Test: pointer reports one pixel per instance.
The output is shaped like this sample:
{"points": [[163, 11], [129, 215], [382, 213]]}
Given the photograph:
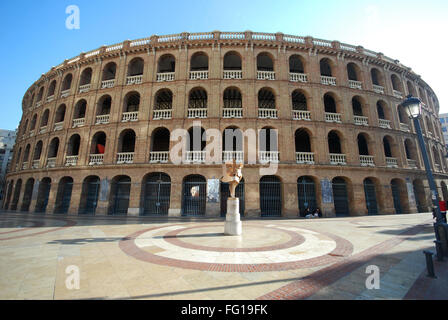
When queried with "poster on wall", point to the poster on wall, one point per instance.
{"points": [[327, 191], [104, 190], [411, 194], [213, 190]]}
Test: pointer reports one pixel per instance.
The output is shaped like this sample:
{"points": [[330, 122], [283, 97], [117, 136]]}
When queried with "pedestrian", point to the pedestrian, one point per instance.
{"points": [[317, 213], [442, 206], [306, 212]]}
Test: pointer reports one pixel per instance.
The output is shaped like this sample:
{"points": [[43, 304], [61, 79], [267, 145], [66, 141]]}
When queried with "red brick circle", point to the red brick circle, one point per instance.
{"points": [[171, 237], [343, 249]]}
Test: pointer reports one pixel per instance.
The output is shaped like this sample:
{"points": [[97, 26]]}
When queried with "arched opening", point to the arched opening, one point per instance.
{"points": [[266, 99], [410, 149], [40, 94], [302, 140], [232, 61], [325, 67], [232, 98], [135, 67], [33, 123], [86, 77], [268, 140], [73, 145], [160, 140], [44, 119], [26, 155], [377, 78], [67, 82], [104, 105], [89, 195], [197, 99], [296, 64], [357, 106], [126, 141], [265, 62], [396, 83], [334, 143], [64, 195], [51, 89], [53, 148], [270, 196], [444, 191], [195, 139], [371, 197], [380, 108], [119, 195], [420, 196], [38, 151], [399, 196], [43, 194], [156, 194], [225, 194], [340, 197], [232, 144], [17, 190], [109, 71], [27, 195], [306, 192], [402, 116], [411, 89], [98, 145], [199, 62], [389, 151], [194, 195], [80, 109], [330, 103], [299, 100], [163, 100], [60, 114], [131, 102], [363, 146], [8, 195], [353, 72], [166, 64]]}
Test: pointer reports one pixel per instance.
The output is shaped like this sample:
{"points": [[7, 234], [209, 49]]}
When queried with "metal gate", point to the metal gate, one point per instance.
{"points": [[42, 198], [122, 192], [64, 197], [93, 191], [396, 196], [306, 191], [157, 194], [15, 199], [225, 194], [270, 196], [340, 197], [27, 195], [420, 208], [194, 195], [370, 194]]}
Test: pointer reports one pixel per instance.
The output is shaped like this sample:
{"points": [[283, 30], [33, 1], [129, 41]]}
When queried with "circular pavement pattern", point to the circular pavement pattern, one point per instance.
{"points": [[271, 247]]}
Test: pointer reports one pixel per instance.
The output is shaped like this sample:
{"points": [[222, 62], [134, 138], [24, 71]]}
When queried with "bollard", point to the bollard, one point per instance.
{"points": [[429, 264], [439, 250]]}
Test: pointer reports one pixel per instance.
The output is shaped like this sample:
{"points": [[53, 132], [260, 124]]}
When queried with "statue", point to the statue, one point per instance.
{"points": [[232, 174]]}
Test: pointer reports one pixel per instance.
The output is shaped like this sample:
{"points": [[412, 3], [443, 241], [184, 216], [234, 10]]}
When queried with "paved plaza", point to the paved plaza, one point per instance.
{"points": [[191, 259]]}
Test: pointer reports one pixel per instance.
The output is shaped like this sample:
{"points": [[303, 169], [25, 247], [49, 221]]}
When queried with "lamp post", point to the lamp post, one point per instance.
{"points": [[412, 106]]}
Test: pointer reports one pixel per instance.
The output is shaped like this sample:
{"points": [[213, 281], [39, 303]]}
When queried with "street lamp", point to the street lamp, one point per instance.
{"points": [[412, 106]]}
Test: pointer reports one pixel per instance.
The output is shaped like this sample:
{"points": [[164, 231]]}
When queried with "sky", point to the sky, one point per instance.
{"points": [[35, 37]]}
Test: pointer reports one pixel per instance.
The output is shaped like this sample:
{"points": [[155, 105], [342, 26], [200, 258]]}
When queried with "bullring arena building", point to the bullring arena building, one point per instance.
{"points": [[96, 131]]}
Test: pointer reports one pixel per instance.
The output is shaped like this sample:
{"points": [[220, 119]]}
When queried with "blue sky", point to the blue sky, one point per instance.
{"points": [[35, 38]]}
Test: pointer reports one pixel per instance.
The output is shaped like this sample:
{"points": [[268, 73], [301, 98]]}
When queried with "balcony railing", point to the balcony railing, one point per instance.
{"points": [[58, 126], [329, 81], [102, 119], [25, 165], [366, 161], [51, 162], [268, 156], [298, 77], [391, 162], [301, 115], [78, 122], [398, 94], [337, 159], [71, 161], [129, 116], [43, 129], [305, 157], [84, 88], [378, 89], [230, 155], [125, 157], [107, 84], [134, 80], [65, 93], [333, 117], [159, 156], [165, 76], [232, 74], [265, 75], [198, 75], [405, 127], [361, 121], [50, 98], [197, 113], [267, 113], [383, 123], [38, 104], [162, 114], [195, 156], [437, 167], [35, 164], [232, 112], [32, 132], [96, 159], [355, 84], [412, 164]]}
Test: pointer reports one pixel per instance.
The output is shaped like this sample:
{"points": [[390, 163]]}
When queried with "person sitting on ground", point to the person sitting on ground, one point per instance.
{"points": [[317, 213], [306, 212]]}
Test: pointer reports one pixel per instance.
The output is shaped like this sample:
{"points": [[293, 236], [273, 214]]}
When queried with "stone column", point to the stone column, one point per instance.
{"points": [[103, 198], [134, 199], [75, 198]]}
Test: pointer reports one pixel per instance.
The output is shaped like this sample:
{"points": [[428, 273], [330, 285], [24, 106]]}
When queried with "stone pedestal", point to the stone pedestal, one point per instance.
{"points": [[233, 226]]}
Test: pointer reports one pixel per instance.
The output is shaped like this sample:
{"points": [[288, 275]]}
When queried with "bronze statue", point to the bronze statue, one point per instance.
{"points": [[232, 173]]}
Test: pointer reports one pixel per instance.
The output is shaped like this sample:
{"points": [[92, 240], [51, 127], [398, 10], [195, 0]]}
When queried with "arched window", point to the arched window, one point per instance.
{"points": [[232, 61], [325, 67], [266, 99], [396, 83], [33, 123], [98, 145], [67, 82], [199, 62], [53, 148], [37, 151], [299, 100], [74, 145], [51, 89], [135, 67], [109, 73], [357, 106], [104, 105], [330, 103], [60, 114], [296, 64], [166, 64], [265, 62], [131, 102], [160, 140], [197, 99], [353, 72], [86, 77], [163, 100], [126, 141], [334, 143], [363, 147], [119, 195], [232, 98], [80, 109], [44, 119], [40, 94], [377, 78]]}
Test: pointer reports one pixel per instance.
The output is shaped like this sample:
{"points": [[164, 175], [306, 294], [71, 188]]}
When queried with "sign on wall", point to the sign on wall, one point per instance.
{"points": [[327, 191], [212, 190]]}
